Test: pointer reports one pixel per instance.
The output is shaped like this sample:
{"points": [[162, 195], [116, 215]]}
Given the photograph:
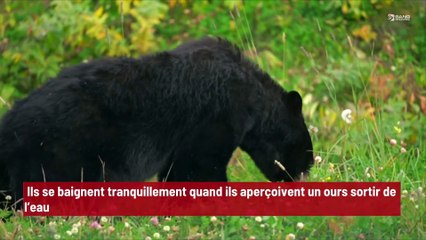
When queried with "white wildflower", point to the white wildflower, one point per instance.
{"points": [[313, 129], [76, 225], [290, 236], [104, 219], [318, 159], [300, 225], [74, 230], [156, 235], [367, 172], [166, 228], [346, 116], [258, 219]]}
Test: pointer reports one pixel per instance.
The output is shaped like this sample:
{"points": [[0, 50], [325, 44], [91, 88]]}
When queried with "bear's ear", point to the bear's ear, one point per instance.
{"points": [[293, 102]]}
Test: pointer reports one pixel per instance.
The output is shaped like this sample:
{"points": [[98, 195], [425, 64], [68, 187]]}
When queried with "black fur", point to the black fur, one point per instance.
{"points": [[179, 113]]}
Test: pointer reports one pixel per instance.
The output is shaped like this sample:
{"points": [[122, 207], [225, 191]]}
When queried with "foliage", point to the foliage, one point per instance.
{"points": [[338, 54]]}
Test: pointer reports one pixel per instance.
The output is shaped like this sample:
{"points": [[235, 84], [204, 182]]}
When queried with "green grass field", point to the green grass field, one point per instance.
{"points": [[338, 54]]}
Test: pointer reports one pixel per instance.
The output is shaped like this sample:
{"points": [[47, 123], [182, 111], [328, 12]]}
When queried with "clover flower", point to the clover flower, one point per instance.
{"points": [[77, 225], [156, 235], [95, 225], [313, 129], [346, 116], [74, 230], [166, 228], [290, 236], [104, 219], [126, 225], [154, 221], [318, 159]]}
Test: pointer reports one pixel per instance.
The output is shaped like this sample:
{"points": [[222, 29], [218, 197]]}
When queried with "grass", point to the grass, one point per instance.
{"points": [[333, 71], [373, 158]]}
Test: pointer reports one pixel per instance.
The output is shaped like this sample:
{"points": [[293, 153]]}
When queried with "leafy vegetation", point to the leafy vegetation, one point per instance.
{"points": [[339, 54]]}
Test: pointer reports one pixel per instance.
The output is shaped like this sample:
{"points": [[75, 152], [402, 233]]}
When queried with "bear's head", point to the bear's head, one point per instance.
{"points": [[281, 146]]}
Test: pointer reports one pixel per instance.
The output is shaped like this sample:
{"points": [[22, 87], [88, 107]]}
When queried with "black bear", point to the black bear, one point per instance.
{"points": [[179, 114]]}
